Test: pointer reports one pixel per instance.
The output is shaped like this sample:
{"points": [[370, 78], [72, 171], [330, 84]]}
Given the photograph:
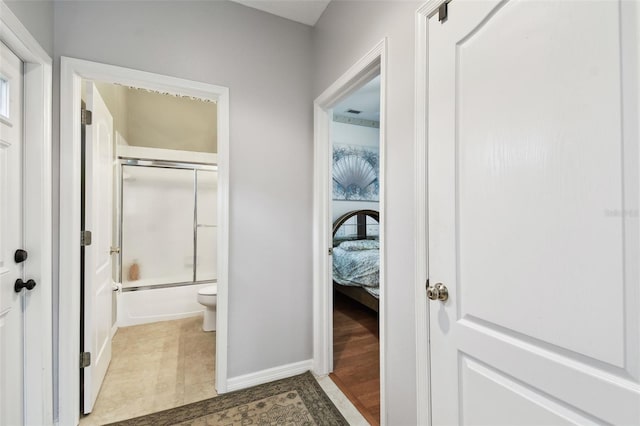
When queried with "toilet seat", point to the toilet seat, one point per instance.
{"points": [[210, 290]]}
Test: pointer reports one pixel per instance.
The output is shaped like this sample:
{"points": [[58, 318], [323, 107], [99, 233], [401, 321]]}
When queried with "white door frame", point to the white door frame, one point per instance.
{"points": [[38, 375], [371, 64], [423, 364], [72, 72]]}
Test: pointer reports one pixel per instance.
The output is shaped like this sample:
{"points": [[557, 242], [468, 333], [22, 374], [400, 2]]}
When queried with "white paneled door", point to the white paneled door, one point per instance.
{"points": [[98, 216], [533, 212], [11, 239]]}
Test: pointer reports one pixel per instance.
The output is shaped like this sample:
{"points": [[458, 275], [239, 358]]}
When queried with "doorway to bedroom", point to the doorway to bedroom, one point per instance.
{"points": [[355, 206], [349, 192]]}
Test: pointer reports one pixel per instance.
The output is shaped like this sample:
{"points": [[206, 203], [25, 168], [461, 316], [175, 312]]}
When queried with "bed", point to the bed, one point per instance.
{"points": [[356, 257]]}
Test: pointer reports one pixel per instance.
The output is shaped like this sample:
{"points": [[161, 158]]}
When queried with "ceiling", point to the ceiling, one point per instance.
{"points": [[366, 99], [304, 11]]}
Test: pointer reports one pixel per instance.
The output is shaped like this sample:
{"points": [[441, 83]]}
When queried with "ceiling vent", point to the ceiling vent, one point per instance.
{"points": [[353, 111]]}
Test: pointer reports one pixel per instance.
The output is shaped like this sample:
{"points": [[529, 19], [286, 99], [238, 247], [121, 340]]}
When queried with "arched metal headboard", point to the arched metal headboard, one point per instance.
{"points": [[361, 221]]}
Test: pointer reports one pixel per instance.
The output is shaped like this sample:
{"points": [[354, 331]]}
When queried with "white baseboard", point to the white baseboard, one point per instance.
{"points": [[268, 375], [114, 328]]}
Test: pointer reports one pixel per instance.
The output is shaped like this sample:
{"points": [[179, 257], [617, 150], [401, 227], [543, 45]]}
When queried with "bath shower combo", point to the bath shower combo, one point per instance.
{"points": [[167, 232]]}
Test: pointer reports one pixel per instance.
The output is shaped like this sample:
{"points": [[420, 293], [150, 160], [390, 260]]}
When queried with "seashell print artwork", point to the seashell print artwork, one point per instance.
{"points": [[355, 173]]}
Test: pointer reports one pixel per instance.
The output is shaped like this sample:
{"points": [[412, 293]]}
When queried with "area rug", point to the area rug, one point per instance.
{"points": [[296, 401]]}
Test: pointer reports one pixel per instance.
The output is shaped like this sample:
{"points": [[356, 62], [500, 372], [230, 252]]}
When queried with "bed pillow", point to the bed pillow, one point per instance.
{"points": [[359, 245]]}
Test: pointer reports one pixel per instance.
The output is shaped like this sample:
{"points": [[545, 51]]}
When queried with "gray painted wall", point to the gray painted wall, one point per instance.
{"points": [[347, 31], [266, 63], [271, 65], [37, 17]]}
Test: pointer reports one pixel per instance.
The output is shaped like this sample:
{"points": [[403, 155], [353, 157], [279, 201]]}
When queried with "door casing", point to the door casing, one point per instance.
{"points": [[370, 65], [37, 118], [72, 72], [423, 349]]}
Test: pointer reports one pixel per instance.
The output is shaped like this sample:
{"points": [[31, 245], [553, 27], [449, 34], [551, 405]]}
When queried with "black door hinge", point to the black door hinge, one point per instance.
{"points": [[86, 117], [443, 11], [85, 238], [85, 359]]}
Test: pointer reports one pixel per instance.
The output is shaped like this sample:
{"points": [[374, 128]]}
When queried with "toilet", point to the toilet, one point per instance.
{"points": [[207, 296]]}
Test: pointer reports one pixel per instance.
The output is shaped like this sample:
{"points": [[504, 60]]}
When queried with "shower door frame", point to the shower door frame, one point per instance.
{"points": [[162, 164]]}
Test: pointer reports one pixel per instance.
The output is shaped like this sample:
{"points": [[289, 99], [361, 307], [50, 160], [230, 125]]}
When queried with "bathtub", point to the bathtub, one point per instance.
{"points": [[157, 304]]}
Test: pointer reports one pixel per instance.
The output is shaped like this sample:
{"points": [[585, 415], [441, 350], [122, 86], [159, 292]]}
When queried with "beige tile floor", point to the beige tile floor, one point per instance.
{"points": [[166, 364], [155, 367]]}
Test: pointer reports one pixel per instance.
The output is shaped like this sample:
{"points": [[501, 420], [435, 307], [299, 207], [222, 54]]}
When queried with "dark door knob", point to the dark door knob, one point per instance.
{"points": [[20, 256], [29, 285]]}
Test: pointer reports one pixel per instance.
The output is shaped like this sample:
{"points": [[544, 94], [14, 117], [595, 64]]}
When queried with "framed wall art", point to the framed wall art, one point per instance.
{"points": [[355, 173]]}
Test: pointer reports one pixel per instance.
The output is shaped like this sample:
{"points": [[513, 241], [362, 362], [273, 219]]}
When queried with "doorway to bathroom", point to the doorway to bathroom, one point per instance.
{"points": [[152, 151], [149, 257]]}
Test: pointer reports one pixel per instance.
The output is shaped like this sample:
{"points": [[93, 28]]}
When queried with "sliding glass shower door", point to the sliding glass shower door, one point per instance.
{"points": [[168, 224], [206, 229]]}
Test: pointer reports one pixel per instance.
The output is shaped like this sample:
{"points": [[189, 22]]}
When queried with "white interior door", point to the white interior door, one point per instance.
{"points": [[97, 267], [533, 212], [11, 239]]}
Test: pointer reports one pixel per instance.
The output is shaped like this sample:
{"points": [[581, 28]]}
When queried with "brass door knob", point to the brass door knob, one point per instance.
{"points": [[438, 292]]}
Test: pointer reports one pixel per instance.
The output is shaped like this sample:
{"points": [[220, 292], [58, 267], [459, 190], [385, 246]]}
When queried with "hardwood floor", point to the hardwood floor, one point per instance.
{"points": [[356, 356]]}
